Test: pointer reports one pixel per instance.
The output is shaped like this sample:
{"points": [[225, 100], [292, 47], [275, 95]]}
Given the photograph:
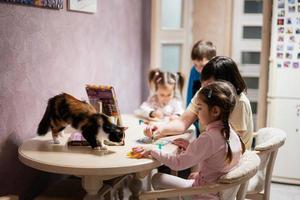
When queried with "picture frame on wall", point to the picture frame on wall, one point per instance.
{"points": [[88, 6], [53, 4]]}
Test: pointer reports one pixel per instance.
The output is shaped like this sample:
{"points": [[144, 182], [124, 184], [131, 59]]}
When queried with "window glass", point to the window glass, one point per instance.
{"points": [[254, 107], [252, 82], [249, 57], [171, 13], [170, 57], [253, 6], [252, 32]]}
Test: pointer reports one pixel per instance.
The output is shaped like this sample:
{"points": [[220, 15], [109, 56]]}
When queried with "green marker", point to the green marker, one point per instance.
{"points": [[160, 146]]}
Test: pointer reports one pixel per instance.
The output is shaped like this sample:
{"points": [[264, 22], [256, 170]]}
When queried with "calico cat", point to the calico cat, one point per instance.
{"points": [[64, 109]]}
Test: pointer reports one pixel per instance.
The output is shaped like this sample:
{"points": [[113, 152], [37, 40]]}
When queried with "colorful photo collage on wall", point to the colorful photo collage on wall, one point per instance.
{"points": [[288, 34]]}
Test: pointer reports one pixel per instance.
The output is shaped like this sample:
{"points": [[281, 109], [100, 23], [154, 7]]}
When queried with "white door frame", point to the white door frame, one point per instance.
{"points": [[182, 36]]}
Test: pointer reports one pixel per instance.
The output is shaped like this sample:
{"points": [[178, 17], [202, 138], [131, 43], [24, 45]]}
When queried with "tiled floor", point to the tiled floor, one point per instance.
{"points": [[278, 192], [65, 188], [285, 192]]}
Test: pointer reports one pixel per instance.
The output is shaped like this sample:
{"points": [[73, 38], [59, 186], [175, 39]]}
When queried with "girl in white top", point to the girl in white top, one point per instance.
{"points": [[163, 102]]}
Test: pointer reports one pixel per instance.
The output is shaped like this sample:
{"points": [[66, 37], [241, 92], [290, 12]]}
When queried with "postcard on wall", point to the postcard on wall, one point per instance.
{"points": [[88, 6], [280, 3], [55, 4]]}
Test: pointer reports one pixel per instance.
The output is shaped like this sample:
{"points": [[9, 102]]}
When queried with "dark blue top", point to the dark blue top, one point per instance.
{"points": [[194, 82], [193, 86]]}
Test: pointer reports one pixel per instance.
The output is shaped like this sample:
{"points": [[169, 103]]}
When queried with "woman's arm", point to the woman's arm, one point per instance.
{"points": [[178, 108], [174, 127]]}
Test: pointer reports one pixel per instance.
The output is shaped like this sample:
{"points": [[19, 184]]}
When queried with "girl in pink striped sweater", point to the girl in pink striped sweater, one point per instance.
{"points": [[216, 151]]}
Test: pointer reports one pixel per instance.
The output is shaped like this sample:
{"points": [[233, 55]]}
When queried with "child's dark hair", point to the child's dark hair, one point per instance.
{"points": [[224, 68], [221, 94], [157, 77], [203, 49]]}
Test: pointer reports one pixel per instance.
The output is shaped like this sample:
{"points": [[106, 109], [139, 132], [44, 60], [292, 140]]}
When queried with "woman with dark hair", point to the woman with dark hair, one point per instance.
{"points": [[224, 68]]}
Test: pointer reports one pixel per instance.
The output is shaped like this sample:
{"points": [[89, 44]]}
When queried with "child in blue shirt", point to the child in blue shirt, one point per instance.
{"points": [[202, 52]]}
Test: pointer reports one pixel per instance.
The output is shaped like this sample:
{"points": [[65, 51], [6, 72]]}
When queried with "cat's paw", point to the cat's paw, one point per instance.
{"points": [[56, 141], [61, 134], [104, 148], [97, 148]]}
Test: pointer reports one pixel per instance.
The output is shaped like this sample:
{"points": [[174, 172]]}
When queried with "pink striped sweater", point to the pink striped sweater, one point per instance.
{"points": [[209, 152]]}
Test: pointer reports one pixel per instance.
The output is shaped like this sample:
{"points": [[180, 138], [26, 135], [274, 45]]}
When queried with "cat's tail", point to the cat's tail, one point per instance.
{"points": [[44, 124]]}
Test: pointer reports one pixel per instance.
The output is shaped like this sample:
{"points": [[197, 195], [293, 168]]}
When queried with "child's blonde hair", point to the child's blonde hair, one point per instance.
{"points": [[157, 77], [221, 94]]}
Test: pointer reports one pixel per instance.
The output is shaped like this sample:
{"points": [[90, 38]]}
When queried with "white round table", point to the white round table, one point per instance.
{"points": [[93, 166]]}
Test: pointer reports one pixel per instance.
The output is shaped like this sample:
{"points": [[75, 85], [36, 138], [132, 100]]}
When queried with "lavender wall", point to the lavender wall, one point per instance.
{"points": [[44, 52]]}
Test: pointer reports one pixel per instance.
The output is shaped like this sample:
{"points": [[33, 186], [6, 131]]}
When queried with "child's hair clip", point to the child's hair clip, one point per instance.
{"points": [[158, 80], [176, 77], [209, 93]]}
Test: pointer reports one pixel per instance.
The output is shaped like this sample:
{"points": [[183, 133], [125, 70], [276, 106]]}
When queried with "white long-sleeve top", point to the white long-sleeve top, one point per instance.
{"points": [[174, 107]]}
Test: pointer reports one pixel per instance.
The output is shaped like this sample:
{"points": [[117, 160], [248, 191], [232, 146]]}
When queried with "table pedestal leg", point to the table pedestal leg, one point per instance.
{"points": [[92, 185], [135, 186]]}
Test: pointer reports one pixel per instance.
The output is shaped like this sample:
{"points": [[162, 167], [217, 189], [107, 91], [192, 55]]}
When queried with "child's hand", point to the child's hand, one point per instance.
{"points": [[153, 131], [193, 175], [146, 154], [140, 152], [148, 131], [181, 143], [157, 114]]}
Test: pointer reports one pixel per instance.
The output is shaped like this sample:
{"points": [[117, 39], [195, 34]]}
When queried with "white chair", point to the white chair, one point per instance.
{"points": [[268, 141], [227, 184]]}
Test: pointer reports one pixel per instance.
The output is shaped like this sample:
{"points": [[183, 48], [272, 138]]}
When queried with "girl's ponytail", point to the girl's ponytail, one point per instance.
{"points": [[180, 82], [226, 135], [153, 77]]}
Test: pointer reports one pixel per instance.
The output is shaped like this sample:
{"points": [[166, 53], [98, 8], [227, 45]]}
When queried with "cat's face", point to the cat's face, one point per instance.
{"points": [[115, 133]]}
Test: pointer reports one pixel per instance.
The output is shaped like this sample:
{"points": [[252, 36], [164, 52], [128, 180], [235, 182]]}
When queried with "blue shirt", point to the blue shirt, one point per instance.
{"points": [[193, 86], [193, 80]]}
